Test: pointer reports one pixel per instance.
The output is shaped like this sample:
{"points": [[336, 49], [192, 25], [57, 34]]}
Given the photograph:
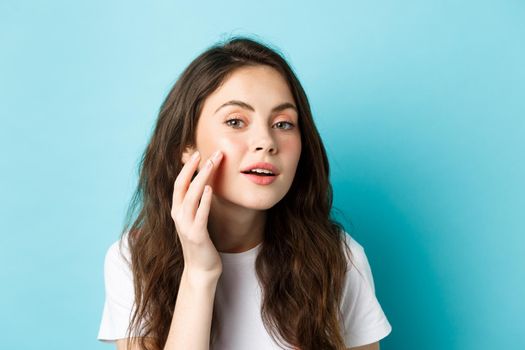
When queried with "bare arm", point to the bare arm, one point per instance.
{"points": [[191, 323]]}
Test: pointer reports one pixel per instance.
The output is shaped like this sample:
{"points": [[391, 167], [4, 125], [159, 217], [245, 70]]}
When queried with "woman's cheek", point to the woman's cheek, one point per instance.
{"points": [[229, 144], [230, 151]]}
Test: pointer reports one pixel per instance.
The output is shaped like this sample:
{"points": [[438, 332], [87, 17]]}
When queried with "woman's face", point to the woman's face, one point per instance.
{"points": [[252, 117]]}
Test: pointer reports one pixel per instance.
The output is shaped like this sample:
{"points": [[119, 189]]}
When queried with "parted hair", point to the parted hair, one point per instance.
{"points": [[301, 266]]}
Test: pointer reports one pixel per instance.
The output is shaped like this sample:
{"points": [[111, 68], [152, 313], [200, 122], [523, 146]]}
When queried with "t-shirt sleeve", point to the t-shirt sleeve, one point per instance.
{"points": [[119, 294], [363, 318]]}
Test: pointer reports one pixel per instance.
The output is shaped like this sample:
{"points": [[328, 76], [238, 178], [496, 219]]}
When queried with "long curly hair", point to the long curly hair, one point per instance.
{"points": [[301, 265]]}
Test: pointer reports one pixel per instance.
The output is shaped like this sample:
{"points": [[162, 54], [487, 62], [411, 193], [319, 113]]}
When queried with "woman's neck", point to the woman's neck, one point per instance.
{"points": [[235, 229]]}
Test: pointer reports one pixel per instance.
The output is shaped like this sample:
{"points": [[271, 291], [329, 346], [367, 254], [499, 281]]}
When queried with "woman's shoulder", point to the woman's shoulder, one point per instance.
{"points": [[357, 251], [363, 318], [352, 242], [118, 254], [358, 265]]}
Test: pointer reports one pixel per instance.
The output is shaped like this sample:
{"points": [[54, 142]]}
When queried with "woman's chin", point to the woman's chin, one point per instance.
{"points": [[254, 202]]}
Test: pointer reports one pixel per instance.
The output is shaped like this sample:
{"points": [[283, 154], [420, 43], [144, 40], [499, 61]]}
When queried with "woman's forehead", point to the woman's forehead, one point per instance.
{"points": [[251, 88]]}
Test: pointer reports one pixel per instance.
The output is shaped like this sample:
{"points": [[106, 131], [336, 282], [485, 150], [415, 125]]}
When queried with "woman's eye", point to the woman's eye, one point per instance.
{"points": [[290, 125], [233, 124]]}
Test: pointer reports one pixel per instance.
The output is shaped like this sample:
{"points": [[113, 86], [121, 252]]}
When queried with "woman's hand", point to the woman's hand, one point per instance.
{"points": [[191, 217]]}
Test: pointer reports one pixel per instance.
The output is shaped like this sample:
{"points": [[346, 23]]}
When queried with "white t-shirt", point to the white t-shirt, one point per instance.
{"points": [[238, 301]]}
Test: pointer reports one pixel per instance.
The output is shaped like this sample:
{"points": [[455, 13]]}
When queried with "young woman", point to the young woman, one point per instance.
{"points": [[234, 246]]}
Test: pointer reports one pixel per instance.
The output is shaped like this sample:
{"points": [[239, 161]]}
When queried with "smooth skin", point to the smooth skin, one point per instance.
{"points": [[251, 117]]}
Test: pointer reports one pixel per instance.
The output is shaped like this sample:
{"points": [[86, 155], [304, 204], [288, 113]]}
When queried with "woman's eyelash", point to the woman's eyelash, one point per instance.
{"points": [[291, 125]]}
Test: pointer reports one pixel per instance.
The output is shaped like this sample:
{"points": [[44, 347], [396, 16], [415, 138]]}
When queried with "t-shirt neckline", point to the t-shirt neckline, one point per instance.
{"points": [[236, 258]]}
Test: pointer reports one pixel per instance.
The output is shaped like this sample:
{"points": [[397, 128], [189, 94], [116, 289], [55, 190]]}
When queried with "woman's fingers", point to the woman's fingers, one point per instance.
{"points": [[194, 193], [191, 218], [183, 180], [187, 192], [201, 217]]}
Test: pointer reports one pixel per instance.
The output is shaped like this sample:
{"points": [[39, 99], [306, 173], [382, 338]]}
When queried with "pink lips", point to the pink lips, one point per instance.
{"points": [[263, 165], [260, 180]]}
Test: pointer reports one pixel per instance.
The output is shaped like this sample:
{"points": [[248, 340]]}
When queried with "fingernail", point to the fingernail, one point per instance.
{"points": [[195, 155], [216, 155]]}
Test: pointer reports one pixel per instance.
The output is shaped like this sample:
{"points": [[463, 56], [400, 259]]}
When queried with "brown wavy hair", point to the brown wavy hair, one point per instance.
{"points": [[301, 265]]}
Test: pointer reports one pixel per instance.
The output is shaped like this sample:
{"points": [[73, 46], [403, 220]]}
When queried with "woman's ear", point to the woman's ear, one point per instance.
{"points": [[186, 155]]}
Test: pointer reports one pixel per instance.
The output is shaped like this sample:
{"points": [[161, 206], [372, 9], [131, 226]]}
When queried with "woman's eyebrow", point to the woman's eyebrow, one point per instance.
{"points": [[244, 105]]}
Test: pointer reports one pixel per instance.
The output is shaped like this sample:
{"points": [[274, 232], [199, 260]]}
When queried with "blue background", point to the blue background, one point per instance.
{"points": [[420, 105]]}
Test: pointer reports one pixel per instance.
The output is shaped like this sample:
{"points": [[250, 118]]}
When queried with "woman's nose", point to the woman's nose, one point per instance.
{"points": [[264, 140]]}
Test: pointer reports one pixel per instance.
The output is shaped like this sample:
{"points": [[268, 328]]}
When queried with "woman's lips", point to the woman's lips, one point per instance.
{"points": [[260, 179]]}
